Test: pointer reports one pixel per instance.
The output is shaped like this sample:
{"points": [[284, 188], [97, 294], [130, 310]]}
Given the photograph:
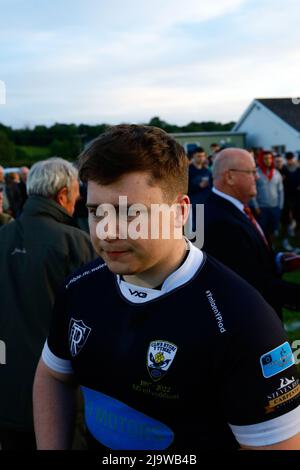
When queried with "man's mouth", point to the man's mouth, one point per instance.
{"points": [[115, 253]]}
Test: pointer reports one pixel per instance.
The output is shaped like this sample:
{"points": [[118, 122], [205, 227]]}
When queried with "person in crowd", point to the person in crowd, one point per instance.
{"points": [[172, 350], [199, 177], [38, 250], [270, 196], [200, 180], [4, 217], [13, 193], [214, 149], [24, 170], [279, 163], [291, 210], [81, 212], [233, 236], [2, 177], [2, 186]]}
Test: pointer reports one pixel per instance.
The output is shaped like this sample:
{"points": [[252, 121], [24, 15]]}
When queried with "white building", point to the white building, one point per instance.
{"points": [[272, 123]]}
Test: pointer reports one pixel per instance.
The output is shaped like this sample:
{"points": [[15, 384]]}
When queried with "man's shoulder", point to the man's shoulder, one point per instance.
{"points": [[8, 230], [72, 230], [80, 235], [216, 203], [218, 271], [234, 291], [86, 273], [214, 200], [225, 279], [218, 210], [71, 235]]}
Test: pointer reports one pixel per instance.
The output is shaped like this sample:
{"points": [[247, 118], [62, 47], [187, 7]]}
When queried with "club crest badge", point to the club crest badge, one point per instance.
{"points": [[160, 356], [78, 334]]}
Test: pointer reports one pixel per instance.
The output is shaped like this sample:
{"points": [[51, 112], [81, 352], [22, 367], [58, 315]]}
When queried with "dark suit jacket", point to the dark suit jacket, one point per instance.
{"points": [[232, 238]]}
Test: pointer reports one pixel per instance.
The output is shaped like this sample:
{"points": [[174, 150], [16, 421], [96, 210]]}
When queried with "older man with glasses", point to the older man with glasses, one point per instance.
{"points": [[233, 235]]}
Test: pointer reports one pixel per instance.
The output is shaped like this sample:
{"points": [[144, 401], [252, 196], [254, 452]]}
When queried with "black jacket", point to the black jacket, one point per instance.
{"points": [[233, 239], [37, 251]]}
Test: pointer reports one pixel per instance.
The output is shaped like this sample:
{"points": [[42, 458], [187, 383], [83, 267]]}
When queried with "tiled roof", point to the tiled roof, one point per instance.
{"points": [[288, 109]]}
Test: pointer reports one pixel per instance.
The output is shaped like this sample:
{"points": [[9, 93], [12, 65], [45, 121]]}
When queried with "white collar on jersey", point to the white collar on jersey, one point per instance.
{"points": [[183, 274]]}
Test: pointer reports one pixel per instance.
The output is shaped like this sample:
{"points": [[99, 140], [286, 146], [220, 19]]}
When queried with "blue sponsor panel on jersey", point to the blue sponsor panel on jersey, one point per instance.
{"points": [[120, 427], [277, 360]]}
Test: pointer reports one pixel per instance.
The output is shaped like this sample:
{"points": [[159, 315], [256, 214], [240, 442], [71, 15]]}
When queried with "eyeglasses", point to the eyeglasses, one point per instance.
{"points": [[252, 172]]}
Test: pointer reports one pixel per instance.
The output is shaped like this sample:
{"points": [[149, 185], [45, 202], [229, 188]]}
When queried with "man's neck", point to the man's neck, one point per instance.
{"points": [[199, 166], [156, 275]]}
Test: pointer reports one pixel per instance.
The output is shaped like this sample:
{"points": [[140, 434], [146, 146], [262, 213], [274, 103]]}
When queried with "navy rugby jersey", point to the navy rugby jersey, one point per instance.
{"points": [[201, 363]]}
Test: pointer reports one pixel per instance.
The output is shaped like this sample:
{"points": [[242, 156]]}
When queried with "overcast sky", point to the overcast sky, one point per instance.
{"points": [[114, 61]]}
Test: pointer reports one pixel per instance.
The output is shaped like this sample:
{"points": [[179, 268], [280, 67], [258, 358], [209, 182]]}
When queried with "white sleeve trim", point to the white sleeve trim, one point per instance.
{"points": [[62, 366], [269, 432]]}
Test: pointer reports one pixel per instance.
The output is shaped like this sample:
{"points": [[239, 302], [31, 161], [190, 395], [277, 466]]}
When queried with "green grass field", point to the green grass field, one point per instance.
{"points": [[34, 153]]}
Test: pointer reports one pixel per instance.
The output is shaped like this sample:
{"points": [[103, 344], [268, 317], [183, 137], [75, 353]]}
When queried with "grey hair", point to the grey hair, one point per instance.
{"points": [[47, 177]]}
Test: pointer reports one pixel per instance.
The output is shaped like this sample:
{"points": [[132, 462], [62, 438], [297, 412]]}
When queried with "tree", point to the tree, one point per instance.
{"points": [[60, 148], [40, 136], [7, 148], [204, 126]]}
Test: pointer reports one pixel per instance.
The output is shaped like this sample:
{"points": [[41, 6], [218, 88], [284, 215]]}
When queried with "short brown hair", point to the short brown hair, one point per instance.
{"points": [[126, 148]]}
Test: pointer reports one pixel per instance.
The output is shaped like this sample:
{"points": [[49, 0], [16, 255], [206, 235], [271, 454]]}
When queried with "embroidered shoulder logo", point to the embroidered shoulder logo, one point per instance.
{"points": [[78, 334], [160, 356]]}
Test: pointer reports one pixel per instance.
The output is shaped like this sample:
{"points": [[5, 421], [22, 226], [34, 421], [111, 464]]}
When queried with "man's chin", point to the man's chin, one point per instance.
{"points": [[117, 268]]}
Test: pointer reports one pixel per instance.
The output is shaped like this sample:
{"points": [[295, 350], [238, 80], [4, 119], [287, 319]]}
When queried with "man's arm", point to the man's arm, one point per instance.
{"points": [[54, 402], [235, 249], [293, 443], [280, 193]]}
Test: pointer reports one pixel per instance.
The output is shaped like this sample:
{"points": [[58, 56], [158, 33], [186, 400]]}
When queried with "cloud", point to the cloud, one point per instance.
{"points": [[169, 13], [114, 61]]}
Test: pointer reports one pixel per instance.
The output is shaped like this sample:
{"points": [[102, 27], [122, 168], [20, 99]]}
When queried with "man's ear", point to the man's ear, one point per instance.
{"points": [[229, 177], [62, 196], [182, 210]]}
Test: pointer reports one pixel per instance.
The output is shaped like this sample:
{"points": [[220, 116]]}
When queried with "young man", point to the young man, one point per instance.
{"points": [[171, 349]]}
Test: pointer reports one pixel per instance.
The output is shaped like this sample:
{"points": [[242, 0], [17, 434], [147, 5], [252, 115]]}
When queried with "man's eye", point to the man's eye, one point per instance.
{"points": [[98, 216], [133, 216], [136, 214], [93, 213]]}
